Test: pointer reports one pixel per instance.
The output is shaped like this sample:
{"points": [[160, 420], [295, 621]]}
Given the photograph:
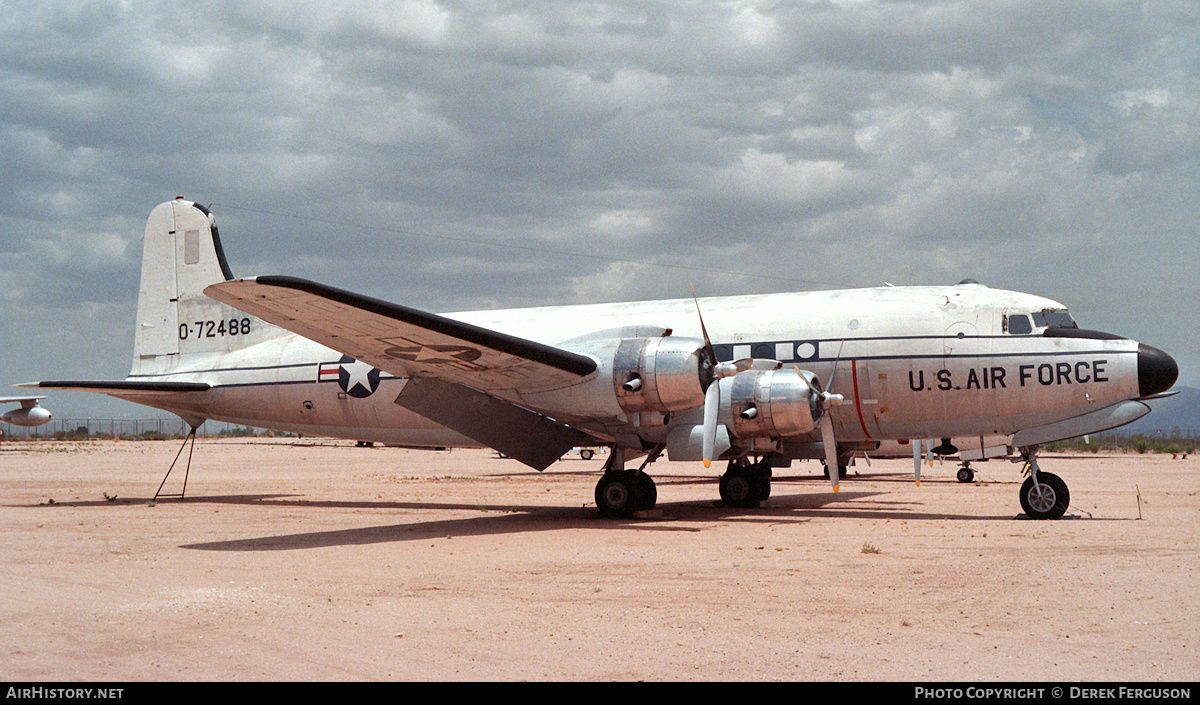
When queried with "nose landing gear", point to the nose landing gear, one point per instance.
{"points": [[1043, 495]]}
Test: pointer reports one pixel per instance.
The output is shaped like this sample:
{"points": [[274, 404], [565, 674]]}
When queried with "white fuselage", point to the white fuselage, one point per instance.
{"points": [[911, 362]]}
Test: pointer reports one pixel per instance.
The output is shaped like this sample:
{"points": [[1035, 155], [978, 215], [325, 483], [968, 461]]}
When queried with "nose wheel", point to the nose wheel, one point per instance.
{"points": [[1043, 495]]}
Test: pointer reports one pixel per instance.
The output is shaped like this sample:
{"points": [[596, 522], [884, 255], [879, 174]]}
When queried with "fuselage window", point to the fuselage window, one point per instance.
{"points": [[1018, 325]]}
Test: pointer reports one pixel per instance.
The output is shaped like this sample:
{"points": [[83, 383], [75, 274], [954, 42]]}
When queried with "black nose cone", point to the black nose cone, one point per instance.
{"points": [[1157, 371]]}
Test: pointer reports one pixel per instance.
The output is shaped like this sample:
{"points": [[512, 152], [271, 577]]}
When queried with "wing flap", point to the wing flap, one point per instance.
{"points": [[403, 341], [519, 433]]}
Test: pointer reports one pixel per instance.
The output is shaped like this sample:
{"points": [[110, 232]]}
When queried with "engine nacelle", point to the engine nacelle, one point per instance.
{"points": [[773, 404], [27, 416], [661, 374]]}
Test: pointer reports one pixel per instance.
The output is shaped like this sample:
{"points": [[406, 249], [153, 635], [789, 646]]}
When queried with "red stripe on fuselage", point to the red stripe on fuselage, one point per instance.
{"points": [[858, 398]]}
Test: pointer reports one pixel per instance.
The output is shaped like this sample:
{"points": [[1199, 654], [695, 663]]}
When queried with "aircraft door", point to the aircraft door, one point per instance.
{"points": [[967, 378]]}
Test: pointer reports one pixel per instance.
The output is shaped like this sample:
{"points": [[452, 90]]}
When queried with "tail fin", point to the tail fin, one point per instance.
{"points": [[181, 254]]}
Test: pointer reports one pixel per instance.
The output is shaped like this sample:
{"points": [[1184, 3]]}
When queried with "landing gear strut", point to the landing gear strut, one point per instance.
{"points": [[746, 484], [1043, 495]]}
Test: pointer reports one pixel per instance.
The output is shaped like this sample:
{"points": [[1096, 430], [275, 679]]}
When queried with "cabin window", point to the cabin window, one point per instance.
{"points": [[1018, 324]]}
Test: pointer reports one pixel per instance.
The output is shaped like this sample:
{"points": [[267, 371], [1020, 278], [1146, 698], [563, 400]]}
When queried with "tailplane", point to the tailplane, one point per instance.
{"points": [[181, 254]]}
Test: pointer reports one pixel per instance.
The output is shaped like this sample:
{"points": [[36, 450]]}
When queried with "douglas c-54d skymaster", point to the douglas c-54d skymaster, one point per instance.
{"points": [[757, 381]]}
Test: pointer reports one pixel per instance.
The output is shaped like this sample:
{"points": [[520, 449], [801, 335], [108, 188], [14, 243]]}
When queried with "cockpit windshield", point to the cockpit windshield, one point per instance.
{"points": [[1019, 323], [1054, 318]]}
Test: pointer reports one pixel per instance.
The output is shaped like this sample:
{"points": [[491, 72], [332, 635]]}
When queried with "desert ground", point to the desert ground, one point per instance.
{"points": [[316, 560]]}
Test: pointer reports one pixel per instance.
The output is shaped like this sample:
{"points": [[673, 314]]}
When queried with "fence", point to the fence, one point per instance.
{"points": [[113, 428], [175, 427]]}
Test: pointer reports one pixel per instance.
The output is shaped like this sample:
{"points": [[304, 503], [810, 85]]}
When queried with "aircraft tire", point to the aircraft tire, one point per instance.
{"points": [[1050, 502], [842, 471], [649, 492], [762, 479], [741, 486], [620, 494], [966, 475]]}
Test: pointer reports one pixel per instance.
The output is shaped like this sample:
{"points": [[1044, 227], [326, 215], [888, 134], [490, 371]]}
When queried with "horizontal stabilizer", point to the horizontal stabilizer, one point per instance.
{"points": [[123, 388], [24, 401], [403, 341]]}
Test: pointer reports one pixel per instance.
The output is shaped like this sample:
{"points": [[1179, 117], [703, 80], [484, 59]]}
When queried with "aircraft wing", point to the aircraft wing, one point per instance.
{"points": [[452, 367], [401, 340]]}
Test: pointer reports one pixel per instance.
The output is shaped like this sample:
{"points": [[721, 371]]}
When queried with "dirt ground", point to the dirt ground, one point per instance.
{"points": [[314, 559]]}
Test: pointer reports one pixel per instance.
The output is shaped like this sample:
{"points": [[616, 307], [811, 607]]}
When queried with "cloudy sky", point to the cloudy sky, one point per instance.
{"points": [[452, 155]]}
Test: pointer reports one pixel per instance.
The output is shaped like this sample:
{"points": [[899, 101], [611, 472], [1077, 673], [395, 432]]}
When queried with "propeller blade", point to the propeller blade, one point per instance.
{"points": [[703, 330], [916, 446], [712, 404], [830, 442]]}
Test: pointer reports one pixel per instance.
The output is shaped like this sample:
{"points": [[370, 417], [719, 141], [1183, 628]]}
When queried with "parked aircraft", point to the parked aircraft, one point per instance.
{"points": [[756, 381], [31, 412]]}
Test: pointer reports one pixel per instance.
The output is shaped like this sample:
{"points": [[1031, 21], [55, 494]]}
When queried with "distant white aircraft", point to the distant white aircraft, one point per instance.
{"points": [[31, 412], [757, 381]]}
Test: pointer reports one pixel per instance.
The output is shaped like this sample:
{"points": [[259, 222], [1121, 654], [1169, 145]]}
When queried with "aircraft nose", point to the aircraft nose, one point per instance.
{"points": [[1157, 371]]}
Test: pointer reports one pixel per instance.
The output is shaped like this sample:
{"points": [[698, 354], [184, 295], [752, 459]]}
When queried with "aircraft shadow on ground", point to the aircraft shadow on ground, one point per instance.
{"points": [[687, 516], [783, 507]]}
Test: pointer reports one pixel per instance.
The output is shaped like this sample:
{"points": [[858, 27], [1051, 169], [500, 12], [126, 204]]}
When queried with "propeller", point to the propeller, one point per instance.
{"points": [[824, 400], [916, 445], [712, 386], [828, 438], [712, 404]]}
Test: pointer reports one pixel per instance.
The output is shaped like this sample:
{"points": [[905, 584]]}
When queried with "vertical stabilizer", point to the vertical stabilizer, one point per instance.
{"points": [[181, 254]]}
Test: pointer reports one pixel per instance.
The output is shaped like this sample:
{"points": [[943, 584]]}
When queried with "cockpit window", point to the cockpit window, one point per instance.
{"points": [[1054, 318], [1017, 324]]}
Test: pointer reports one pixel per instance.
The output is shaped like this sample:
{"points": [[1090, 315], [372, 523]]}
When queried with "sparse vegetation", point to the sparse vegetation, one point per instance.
{"points": [[870, 548], [1175, 442]]}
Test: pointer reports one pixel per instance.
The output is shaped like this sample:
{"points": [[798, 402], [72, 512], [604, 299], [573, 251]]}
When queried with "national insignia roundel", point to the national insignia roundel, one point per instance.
{"points": [[357, 379]]}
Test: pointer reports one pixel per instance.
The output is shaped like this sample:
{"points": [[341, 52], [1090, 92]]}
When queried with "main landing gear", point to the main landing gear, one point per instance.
{"points": [[621, 493], [843, 470], [1043, 495], [746, 484]]}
